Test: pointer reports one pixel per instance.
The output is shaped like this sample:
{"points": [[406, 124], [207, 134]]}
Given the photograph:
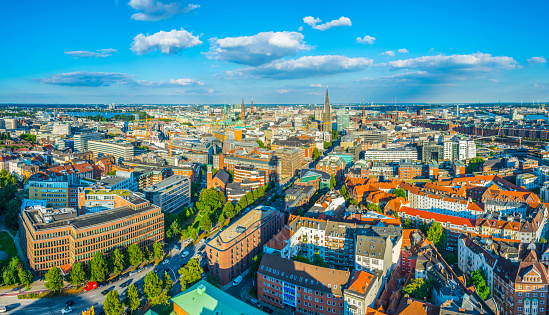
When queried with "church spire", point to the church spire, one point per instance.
{"points": [[242, 113], [252, 107]]}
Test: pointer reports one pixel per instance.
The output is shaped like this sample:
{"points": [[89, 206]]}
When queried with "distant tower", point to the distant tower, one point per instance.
{"points": [[242, 115], [363, 112], [252, 107], [457, 111], [327, 121], [224, 112]]}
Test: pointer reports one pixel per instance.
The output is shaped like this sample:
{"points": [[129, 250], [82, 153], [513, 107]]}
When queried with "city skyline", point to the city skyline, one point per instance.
{"points": [[146, 51]]}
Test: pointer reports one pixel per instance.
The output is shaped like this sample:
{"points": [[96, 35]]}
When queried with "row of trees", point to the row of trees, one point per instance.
{"points": [[9, 205], [15, 272], [99, 267]]}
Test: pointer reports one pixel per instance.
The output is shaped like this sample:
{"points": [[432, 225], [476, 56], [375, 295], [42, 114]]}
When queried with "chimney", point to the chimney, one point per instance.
{"points": [[201, 289]]}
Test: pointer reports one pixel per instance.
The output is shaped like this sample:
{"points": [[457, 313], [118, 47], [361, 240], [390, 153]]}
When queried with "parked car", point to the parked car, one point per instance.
{"points": [[202, 241], [105, 292], [202, 248], [237, 281], [66, 310], [90, 286], [267, 309], [176, 248], [133, 272], [124, 276], [184, 254], [123, 285], [165, 262], [255, 303]]}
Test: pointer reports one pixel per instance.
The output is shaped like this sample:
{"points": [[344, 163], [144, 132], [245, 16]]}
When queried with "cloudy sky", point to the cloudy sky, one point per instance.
{"points": [[169, 51]]}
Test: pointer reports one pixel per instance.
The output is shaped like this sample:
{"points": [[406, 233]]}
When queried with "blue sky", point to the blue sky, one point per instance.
{"points": [[146, 51]]}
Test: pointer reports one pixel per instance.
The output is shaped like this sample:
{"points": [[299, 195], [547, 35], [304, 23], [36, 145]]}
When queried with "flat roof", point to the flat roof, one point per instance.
{"points": [[168, 182], [244, 223], [88, 220], [205, 299]]}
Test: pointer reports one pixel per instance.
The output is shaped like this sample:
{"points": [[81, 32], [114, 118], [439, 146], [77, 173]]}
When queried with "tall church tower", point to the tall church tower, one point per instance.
{"points": [[363, 112], [242, 112], [252, 107], [327, 121]]}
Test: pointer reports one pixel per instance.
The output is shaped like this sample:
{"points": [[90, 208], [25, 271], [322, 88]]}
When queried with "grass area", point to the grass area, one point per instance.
{"points": [[34, 296], [7, 244]]}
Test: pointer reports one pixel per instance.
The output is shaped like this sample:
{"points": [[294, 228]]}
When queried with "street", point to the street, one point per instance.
{"points": [[94, 297]]}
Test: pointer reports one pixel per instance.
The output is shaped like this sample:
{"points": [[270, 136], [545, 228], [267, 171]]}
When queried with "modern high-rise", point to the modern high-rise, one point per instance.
{"points": [[10, 123], [327, 119], [343, 120], [61, 129], [81, 140], [171, 194], [119, 149], [243, 111], [61, 237]]}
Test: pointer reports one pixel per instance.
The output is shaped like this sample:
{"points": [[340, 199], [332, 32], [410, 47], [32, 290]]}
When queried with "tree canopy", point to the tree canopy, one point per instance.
{"points": [[419, 289], [54, 280], [436, 235]]}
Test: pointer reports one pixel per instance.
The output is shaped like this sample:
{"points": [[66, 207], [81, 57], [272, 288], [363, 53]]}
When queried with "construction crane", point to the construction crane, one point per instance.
{"points": [[170, 133]]}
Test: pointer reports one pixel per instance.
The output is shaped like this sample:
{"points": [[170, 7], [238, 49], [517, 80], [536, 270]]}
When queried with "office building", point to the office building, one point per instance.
{"points": [[290, 161], [56, 193], [171, 194], [232, 250], [10, 123], [92, 199], [61, 237], [81, 140], [61, 129], [121, 150], [392, 155]]}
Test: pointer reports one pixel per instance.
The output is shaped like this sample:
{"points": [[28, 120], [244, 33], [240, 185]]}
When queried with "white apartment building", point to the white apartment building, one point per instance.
{"points": [[393, 155], [444, 205]]}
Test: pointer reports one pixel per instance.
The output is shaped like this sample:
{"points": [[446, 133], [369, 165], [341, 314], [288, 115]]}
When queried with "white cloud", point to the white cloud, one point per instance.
{"points": [[388, 53], [309, 66], [167, 42], [366, 40], [312, 22], [536, 60], [96, 79], [539, 85], [463, 63], [300, 29], [403, 50], [101, 53], [315, 85], [257, 49], [153, 10], [282, 91]]}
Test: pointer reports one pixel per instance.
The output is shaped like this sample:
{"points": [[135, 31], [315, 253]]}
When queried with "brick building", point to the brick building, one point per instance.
{"points": [[61, 237], [307, 289], [332, 165], [231, 252]]}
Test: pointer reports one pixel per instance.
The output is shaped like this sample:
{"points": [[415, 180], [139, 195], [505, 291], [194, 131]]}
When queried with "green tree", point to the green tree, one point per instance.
{"points": [[228, 210], [399, 192], [112, 304], [54, 280], [254, 265], [98, 267], [479, 281], [261, 144], [25, 277], [132, 297], [167, 281], [436, 235], [78, 276], [148, 255], [135, 255], [221, 218], [419, 289], [343, 192], [158, 251], [327, 144], [117, 260], [205, 223], [318, 261], [333, 182], [302, 259], [474, 164], [374, 207], [8, 276], [316, 154], [153, 289], [450, 259], [190, 273], [175, 228], [408, 224], [542, 241]]}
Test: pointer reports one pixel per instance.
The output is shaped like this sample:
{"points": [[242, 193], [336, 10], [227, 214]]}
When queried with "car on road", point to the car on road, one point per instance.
{"points": [[184, 254], [237, 281], [255, 303], [202, 248], [202, 241], [105, 292], [267, 310], [125, 284], [165, 262], [66, 310], [176, 248], [69, 303], [104, 284], [133, 272], [140, 269]]}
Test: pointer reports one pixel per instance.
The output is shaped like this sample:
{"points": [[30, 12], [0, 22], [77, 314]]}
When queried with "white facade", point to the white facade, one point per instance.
{"points": [[469, 261], [447, 206]]}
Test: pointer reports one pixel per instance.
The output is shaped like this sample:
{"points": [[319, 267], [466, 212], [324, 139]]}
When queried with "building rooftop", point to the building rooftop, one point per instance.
{"points": [[205, 299], [167, 183], [249, 220]]}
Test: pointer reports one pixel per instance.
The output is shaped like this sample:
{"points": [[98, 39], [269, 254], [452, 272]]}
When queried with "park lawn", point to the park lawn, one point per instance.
{"points": [[7, 244]]}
